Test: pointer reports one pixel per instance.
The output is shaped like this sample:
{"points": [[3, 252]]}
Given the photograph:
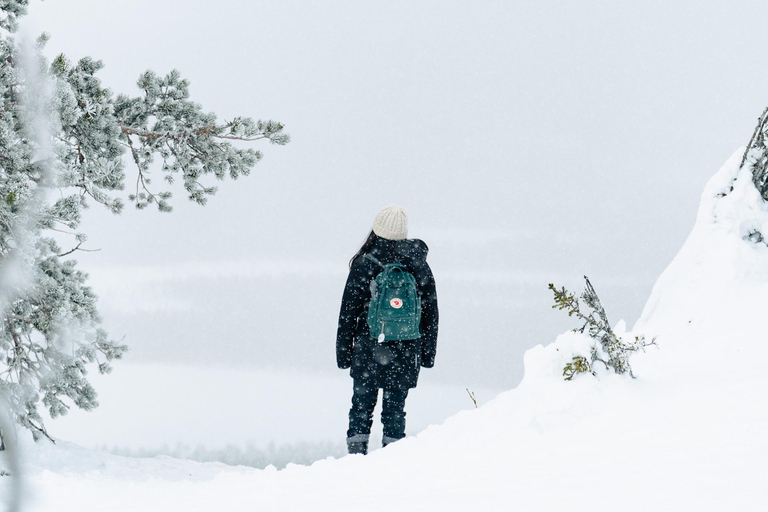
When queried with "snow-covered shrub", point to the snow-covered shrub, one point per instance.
{"points": [[606, 347]]}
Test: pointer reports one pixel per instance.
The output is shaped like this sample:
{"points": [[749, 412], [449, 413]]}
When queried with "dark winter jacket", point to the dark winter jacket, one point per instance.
{"points": [[392, 364]]}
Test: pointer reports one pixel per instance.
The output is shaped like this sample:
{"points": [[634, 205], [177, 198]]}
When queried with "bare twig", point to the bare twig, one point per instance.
{"points": [[247, 139], [77, 248], [472, 396], [758, 129]]}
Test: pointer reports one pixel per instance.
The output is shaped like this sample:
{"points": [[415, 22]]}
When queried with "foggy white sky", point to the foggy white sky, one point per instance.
{"points": [[530, 142]]}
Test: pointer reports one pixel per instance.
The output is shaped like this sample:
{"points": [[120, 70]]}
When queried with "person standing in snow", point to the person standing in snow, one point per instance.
{"points": [[389, 365]]}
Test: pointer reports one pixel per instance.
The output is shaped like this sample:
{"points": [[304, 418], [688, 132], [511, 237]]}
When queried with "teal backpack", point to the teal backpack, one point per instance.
{"points": [[394, 313]]}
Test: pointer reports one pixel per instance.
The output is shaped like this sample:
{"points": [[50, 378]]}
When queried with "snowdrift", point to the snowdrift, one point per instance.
{"points": [[687, 434]]}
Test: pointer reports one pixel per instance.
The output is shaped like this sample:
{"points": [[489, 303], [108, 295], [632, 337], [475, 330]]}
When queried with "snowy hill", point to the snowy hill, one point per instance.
{"points": [[688, 434]]}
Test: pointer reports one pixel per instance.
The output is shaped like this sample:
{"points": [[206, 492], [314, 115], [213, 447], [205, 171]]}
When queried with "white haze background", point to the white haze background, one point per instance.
{"points": [[531, 142]]}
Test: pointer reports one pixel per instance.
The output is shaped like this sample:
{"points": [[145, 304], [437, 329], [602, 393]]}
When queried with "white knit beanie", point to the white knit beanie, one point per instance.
{"points": [[391, 223]]}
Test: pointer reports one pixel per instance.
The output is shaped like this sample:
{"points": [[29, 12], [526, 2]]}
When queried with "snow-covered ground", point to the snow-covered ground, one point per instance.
{"points": [[239, 416], [687, 434]]}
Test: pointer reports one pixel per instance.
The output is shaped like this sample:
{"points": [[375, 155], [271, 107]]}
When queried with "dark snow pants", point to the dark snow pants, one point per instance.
{"points": [[361, 414]]}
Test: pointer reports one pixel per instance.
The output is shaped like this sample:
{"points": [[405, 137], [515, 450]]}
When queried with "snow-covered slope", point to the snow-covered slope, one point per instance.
{"points": [[711, 300], [688, 434]]}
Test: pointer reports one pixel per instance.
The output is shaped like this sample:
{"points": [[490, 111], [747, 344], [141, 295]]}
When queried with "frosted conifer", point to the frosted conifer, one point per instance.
{"points": [[62, 131]]}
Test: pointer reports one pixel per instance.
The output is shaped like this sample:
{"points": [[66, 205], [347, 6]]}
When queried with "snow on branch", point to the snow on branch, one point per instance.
{"points": [[10, 12], [162, 123]]}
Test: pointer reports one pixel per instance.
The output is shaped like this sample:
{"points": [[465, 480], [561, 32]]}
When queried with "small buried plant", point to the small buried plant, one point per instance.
{"points": [[611, 350]]}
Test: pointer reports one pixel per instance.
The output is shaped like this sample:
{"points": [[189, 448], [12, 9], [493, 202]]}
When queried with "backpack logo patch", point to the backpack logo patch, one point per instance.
{"points": [[396, 303]]}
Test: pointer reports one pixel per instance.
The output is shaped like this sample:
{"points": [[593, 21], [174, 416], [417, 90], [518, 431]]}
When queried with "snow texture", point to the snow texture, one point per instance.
{"points": [[687, 434]]}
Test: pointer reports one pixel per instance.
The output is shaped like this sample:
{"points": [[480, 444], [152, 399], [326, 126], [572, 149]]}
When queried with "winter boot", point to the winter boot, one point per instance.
{"points": [[357, 448], [358, 444], [389, 440]]}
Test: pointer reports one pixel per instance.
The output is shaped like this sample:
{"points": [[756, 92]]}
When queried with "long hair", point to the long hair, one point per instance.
{"points": [[365, 248]]}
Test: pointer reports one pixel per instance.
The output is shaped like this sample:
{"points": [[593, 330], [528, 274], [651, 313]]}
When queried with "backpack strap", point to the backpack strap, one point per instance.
{"points": [[373, 259]]}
